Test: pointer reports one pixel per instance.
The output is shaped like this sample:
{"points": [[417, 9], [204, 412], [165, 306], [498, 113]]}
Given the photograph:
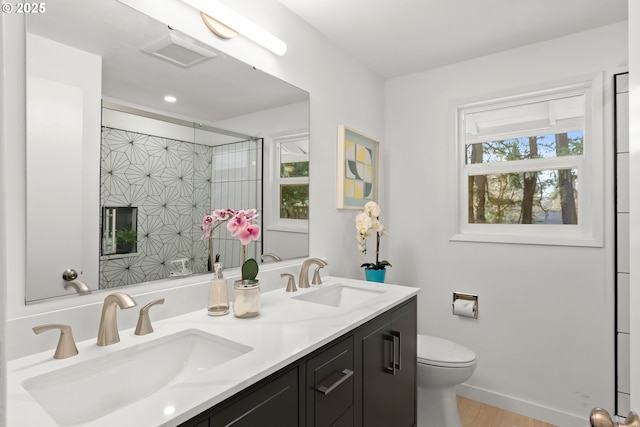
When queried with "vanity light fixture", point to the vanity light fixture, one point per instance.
{"points": [[217, 27], [226, 23]]}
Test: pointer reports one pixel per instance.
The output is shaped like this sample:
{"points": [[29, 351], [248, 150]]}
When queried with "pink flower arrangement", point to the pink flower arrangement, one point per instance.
{"points": [[241, 224], [211, 222], [244, 227]]}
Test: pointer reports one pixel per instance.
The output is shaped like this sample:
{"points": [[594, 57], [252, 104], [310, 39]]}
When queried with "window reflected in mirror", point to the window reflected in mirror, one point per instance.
{"points": [[294, 180], [119, 230]]}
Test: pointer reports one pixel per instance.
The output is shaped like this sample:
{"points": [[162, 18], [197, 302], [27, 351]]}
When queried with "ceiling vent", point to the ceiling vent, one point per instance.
{"points": [[178, 51]]}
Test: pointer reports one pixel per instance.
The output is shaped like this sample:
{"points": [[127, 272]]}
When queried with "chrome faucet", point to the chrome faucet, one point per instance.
{"points": [[108, 329], [304, 272]]}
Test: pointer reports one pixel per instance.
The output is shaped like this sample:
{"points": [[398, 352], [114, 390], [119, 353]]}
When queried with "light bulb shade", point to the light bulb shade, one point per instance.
{"points": [[238, 23], [217, 27]]}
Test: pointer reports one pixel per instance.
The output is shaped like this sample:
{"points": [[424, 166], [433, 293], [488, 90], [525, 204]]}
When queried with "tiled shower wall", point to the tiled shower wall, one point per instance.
{"points": [[173, 184], [237, 184], [622, 244]]}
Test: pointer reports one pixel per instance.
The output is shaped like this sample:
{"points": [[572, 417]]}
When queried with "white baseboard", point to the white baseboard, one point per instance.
{"points": [[522, 407]]}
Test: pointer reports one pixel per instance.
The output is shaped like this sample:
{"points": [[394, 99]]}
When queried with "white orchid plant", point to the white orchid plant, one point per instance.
{"points": [[367, 222], [241, 224]]}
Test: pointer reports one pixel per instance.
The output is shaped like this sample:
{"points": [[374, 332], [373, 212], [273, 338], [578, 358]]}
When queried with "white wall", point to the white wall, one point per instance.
{"points": [[9, 50], [64, 89], [634, 197], [544, 337], [12, 190]]}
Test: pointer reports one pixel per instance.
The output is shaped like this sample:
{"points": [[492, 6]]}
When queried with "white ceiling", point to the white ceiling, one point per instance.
{"points": [[400, 37], [392, 38], [213, 90]]}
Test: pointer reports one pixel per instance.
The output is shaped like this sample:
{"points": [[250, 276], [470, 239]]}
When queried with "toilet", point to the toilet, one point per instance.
{"points": [[442, 365]]}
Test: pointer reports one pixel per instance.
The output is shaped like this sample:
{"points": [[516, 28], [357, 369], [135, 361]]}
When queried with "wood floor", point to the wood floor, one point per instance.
{"points": [[475, 414]]}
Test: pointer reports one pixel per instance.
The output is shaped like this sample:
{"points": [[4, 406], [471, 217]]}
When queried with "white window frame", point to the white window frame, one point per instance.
{"points": [[590, 165], [273, 181]]}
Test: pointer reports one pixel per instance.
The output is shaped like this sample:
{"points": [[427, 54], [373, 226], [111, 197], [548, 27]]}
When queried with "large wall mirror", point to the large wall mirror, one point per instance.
{"points": [[119, 179]]}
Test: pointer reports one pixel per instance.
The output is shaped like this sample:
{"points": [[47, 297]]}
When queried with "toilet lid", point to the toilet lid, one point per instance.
{"points": [[440, 352]]}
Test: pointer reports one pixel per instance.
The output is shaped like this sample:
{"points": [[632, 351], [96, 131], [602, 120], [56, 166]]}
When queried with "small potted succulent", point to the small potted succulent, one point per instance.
{"points": [[367, 222], [246, 291]]}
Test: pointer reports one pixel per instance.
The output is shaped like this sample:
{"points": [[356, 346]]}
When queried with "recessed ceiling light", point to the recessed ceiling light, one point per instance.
{"points": [[170, 98]]}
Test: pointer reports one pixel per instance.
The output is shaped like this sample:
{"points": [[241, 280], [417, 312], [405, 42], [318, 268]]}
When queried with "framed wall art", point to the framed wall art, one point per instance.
{"points": [[358, 169]]}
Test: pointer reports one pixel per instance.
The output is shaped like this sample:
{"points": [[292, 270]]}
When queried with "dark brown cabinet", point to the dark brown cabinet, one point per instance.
{"points": [[366, 378], [273, 401], [388, 360], [329, 386]]}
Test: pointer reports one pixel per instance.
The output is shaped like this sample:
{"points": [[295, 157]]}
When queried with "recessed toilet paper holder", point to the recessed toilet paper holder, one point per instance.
{"points": [[465, 305]]}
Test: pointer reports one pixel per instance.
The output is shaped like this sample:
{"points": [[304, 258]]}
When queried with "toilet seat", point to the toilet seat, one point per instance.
{"points": [[444, 353]]}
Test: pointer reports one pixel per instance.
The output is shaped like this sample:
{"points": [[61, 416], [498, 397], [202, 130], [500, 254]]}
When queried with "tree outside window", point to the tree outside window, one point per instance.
{"points": [[529, 197], [530, 167]]}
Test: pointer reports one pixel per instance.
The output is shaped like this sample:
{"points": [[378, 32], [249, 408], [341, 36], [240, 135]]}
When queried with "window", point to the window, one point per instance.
{"points": [[291, 185], [294, 179], [531, 167]]}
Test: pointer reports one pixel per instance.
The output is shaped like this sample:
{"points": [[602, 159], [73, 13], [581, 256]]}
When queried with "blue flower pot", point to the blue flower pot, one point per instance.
{"points": [[375, 275]]}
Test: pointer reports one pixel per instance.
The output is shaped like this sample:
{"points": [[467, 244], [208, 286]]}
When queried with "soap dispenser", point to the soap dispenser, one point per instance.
{"points": [[218, 295]]}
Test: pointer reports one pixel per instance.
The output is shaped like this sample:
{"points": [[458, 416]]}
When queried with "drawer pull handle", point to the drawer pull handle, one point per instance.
{"points": [[398, 361], [392, 353], [396, 357], [345, 374]]}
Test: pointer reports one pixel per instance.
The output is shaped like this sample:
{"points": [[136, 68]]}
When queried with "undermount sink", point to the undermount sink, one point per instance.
{"points": [[89, 390], [339, 295]]}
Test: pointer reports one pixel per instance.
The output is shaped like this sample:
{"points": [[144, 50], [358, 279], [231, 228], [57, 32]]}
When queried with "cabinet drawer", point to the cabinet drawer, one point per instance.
{"points": [[330, 384], [274, 403]]}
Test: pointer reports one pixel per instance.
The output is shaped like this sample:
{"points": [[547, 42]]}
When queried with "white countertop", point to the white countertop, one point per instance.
{"points": [[286, 330]]}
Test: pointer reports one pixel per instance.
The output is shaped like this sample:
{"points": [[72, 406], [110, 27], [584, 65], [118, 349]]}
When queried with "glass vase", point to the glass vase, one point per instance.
{"points": [[246, 298]]}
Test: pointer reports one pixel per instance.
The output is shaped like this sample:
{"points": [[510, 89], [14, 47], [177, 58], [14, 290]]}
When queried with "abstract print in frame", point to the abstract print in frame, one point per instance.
{"points": [[358, 169]]}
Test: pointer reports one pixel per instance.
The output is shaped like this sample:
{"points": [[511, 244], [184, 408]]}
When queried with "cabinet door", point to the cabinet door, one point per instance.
{"points": [[389, 369], [330, 386], [273, 404], [404, 329]]}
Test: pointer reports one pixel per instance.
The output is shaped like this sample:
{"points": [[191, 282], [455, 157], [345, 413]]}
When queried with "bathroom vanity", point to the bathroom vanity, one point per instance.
{"points": [[342, 353], [364, 378]]}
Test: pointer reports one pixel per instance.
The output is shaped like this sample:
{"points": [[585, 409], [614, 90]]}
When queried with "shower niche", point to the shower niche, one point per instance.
{"points": [[119, 230]]}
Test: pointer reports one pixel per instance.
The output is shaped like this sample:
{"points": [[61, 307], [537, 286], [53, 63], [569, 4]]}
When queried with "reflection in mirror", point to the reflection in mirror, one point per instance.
{"points": [[85, 54], [172, 175], [294, 179], [119, 230]]}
